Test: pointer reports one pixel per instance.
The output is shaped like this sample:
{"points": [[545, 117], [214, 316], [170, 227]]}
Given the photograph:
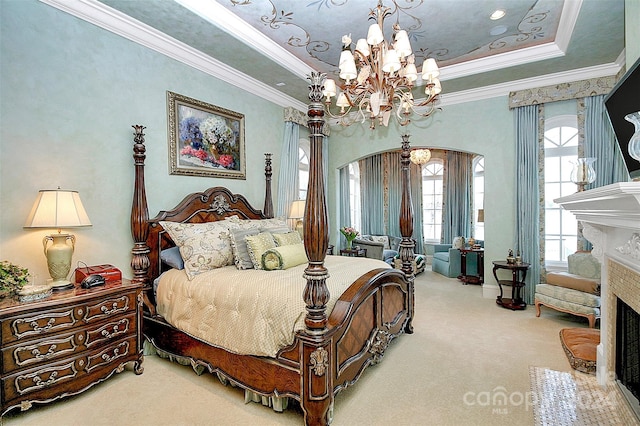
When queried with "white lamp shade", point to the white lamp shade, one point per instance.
{"points": [[297, 209], [410, 72], [57, 209], [363, 47], [391, 61], [329, 88], [402, 45], [342, 101], [430, 69], [374, 36], [347, 65]]}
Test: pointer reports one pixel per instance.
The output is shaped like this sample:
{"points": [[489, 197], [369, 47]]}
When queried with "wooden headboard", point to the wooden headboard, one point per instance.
{"points": [[211, 205]]}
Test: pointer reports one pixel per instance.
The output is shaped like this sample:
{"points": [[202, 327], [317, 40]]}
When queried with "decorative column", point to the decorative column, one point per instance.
{"points": [[317, 359], [407, 245]]}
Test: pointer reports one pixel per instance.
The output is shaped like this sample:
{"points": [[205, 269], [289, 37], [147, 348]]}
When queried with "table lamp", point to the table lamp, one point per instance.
{"points": [[297, 212], [59, 209]]}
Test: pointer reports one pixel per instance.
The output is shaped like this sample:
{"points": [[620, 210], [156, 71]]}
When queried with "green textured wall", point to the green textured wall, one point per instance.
{"points": [[70, 92]]}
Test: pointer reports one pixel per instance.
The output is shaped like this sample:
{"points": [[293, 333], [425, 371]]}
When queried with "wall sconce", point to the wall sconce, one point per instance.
{"points": [[297, 213], [58, 209], [420, 156]]}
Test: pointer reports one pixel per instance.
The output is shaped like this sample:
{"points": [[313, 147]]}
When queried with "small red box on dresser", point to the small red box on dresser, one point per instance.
{"points": [[108, 272]]}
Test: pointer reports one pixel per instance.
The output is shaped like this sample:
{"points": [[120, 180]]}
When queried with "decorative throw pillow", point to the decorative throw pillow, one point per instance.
{"points": [[239, 245], [381, 239], [257, 223], [172, 258], [287, 238], [203, 246], [257, 245], [284, 257]]}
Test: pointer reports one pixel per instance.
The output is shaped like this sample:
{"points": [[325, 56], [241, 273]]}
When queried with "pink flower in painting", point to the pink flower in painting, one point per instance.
{"points": [[201, 155], [225, 160]]}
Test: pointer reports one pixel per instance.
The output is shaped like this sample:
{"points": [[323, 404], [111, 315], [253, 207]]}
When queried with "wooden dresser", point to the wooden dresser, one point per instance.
{"points": [[68, 342]]}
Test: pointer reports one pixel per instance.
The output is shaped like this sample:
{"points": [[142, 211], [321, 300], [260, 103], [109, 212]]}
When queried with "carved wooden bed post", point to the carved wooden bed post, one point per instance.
{"points": [[407, 245], [267, 210], [139, 212], [317, 359]]}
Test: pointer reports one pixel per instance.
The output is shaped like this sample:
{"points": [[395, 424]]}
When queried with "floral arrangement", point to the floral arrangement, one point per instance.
{"points": [[12, 278], [350, 234], [211, 140]]}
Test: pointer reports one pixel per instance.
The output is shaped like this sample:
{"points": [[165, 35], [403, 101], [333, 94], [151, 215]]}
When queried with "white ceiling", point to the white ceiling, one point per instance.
{"points": [[269, 46]]}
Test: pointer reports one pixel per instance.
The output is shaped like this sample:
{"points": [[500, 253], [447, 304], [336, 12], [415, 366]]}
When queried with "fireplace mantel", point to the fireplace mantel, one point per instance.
{"points": [[610, 216]]}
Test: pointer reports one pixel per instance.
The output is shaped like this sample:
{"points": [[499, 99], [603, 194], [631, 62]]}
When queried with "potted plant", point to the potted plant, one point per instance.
{"points": [[12, 278]]}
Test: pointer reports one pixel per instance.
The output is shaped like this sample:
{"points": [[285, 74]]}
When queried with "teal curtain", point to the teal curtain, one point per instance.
{"points": [[395, 192], [289, 165], [345, 202], [600, 142], [372, 195], [527, 194], [457, 212]]}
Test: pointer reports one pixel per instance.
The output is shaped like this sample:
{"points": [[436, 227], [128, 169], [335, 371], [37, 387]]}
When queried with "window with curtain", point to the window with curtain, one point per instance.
{"points": [[303, 169], [478, 196], [432, 174], [560, 149], [354, 195]]}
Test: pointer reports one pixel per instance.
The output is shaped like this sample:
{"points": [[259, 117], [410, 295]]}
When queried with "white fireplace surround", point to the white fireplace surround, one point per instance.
{"points": [[611, 222]]}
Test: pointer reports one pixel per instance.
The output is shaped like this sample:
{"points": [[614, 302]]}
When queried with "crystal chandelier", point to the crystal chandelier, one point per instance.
{"points": [[378, 78]]}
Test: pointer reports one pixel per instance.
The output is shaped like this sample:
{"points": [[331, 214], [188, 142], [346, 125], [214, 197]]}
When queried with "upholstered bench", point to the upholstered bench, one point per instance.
{"points": [[571, 293]]}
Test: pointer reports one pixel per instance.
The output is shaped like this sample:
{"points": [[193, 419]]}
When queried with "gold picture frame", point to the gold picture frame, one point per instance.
{"points": [[204, 139]]}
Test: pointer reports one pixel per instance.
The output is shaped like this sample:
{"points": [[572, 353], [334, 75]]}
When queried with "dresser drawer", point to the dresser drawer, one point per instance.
{"points": [[67, 376], [26, 354], [32, 325]]}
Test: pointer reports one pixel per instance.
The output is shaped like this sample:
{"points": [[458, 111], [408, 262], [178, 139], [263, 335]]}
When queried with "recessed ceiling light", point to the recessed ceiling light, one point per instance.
{"points": [[499, 13], [497, 30], [281, 84]]}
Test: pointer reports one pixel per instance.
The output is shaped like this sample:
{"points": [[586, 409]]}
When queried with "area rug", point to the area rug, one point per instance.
{"points": [[559, 398]]}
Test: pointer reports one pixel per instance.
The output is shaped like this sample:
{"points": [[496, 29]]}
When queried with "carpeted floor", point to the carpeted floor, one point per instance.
{"points": [[570, 398], [465, 357]]}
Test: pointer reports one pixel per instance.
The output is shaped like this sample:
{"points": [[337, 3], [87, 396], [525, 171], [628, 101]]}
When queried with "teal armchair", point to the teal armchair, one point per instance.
{"points": [[447, 260]]}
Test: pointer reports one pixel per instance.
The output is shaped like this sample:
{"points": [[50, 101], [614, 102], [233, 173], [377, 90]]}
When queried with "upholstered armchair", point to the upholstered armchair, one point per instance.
{"points": [[383, 247], [447, 260]]}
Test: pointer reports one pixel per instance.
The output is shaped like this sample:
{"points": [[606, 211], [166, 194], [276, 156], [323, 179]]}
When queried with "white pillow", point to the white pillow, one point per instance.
{"points": [[381, 239], [203, 246]]}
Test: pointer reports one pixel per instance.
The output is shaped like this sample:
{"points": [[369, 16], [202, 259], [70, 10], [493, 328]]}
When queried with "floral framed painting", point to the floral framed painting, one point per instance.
{"points": [[204, 139]]}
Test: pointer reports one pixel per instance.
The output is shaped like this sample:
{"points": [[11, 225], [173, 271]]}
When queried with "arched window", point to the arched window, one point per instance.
{"points": [[560, 149], [432, 174], [478, 198], [303, 169], [354, 195]]}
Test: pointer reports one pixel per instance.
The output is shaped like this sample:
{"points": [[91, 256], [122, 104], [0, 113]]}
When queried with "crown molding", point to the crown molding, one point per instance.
{"points": [[123, 25], [228, 21]]}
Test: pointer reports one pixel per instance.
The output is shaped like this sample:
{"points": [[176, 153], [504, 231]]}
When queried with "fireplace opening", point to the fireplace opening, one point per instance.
{"points": [[628, 353]]}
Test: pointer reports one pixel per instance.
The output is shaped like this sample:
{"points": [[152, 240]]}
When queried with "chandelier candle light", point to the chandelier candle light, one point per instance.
{"points": [[382, 79]]}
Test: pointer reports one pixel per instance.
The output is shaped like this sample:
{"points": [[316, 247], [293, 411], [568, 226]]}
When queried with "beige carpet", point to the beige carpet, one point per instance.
{"points": [[465, 353]]}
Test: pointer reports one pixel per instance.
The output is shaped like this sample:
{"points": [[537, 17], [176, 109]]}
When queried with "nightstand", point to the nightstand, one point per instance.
{"points": [[356, 252], [65, 344]]}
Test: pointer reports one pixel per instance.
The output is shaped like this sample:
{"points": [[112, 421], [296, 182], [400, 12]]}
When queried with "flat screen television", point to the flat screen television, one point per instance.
{"points": [[625, 99]]}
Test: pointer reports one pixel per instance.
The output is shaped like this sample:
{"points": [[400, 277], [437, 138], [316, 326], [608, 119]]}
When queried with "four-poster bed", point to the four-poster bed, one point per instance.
{"points": [[333, 346]]}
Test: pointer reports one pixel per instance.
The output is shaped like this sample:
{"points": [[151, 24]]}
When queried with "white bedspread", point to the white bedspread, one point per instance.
{"points": [[249, 312]]}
